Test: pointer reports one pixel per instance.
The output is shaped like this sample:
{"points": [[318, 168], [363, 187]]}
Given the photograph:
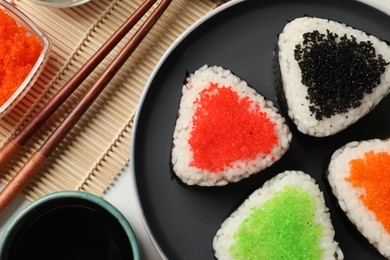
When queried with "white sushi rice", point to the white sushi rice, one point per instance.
{"points": [[224, 237], [348, 196], [295, 92], [181, 151]]}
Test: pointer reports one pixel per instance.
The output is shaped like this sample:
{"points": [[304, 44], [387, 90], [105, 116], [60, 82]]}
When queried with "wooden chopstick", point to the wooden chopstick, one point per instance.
{"points": [[9, 149], [39, 158]]}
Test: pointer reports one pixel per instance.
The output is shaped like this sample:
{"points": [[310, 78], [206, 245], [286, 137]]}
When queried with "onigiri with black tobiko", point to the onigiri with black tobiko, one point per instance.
{"points": [[331, 74]]}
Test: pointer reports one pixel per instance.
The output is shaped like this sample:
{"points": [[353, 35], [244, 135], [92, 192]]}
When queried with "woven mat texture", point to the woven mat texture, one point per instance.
{"points": [[97, 149]]}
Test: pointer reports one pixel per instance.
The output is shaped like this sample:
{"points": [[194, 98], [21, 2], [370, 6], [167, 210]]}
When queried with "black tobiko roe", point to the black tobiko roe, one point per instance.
{"points": [[338, 71]]}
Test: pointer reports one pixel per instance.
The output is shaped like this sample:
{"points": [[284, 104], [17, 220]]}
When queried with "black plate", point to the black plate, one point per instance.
{"points": [[183, 220]]}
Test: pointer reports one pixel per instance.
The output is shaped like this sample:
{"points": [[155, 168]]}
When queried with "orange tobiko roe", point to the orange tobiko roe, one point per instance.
{"points": [[18, 54], [372, 174], [228, 128]]}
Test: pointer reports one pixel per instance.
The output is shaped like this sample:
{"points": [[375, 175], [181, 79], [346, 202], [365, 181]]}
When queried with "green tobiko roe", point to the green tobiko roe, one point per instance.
{"points": [[281, 228]]}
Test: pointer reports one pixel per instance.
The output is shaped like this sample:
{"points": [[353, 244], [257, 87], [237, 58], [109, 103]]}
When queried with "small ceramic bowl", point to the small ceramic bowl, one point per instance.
{"points": [[32, 30], [69, 225]]}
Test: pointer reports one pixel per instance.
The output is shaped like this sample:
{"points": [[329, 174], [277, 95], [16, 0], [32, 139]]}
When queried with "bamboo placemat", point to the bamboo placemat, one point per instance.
{"points": [[97, 149]]}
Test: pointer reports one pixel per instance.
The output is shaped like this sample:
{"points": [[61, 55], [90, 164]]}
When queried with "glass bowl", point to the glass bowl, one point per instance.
{"points": [[32, 30], [60, 3]]}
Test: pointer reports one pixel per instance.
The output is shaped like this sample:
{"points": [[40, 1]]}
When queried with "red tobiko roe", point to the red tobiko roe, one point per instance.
{"points": [[228, 128], [18, 54]]}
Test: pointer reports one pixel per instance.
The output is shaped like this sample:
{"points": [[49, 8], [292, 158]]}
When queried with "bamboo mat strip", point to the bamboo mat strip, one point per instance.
{"points": [[98, 147]]}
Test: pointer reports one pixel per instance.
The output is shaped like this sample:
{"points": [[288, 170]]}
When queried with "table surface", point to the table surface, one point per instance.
{"points": [[122, 195]]}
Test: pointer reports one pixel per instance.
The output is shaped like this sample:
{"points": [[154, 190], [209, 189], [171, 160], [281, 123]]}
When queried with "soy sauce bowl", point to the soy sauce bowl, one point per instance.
{"points": [[70, 225]]}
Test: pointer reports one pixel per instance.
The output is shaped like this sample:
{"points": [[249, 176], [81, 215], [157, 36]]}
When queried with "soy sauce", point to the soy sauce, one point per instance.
{"points": [[71, 232]]}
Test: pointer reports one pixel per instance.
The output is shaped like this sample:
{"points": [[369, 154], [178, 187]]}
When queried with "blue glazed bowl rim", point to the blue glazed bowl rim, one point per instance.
{"points": [[57, 197]]}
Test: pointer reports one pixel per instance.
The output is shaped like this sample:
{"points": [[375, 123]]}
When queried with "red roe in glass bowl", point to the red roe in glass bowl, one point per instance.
{"points": [[24, 51]]}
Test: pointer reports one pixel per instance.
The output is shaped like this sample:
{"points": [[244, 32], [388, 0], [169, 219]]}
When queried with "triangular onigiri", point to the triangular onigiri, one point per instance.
{"points": [[285, 219], [225, 130], [359, 175], [331, 74]]}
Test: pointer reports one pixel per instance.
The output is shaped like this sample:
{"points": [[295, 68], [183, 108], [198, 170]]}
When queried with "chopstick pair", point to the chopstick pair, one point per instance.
{"points": [[39, 158]]}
